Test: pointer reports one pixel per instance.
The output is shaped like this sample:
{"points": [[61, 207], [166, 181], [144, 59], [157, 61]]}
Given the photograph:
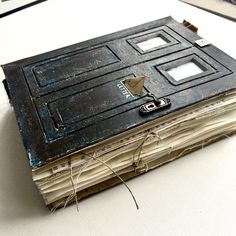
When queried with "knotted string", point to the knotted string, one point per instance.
{"points": [[74, 186], [140, 147], [117, 175]]}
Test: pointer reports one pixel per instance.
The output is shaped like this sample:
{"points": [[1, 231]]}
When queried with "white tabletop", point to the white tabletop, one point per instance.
{"points": [[195, 195]]}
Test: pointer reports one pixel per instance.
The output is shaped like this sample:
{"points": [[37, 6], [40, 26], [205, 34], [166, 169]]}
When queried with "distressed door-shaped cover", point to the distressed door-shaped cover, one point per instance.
{"points": [[74, 97]]}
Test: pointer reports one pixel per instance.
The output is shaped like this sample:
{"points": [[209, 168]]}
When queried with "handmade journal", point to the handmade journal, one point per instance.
{"points": [[97, 113]]}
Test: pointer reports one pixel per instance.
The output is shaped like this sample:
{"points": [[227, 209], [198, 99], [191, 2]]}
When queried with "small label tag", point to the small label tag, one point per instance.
{"points": [[202, 43]]}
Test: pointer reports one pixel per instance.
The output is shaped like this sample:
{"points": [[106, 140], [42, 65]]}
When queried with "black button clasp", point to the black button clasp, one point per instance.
{"points": [[154, 105]]}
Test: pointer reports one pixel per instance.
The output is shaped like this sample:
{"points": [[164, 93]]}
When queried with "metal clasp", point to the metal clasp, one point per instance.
{"points": [[154, 105]]}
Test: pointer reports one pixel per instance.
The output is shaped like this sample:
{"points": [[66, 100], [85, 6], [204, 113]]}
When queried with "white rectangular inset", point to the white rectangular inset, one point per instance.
{"points": [[185, 70], [151, 43]]}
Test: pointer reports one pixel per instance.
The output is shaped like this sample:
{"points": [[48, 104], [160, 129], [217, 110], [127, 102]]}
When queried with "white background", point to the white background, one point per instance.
{"points": [[195, 195]]}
